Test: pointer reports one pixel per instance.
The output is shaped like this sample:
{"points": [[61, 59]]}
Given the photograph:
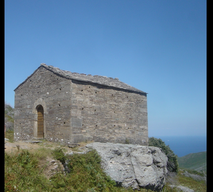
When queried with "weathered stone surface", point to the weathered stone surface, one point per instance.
{"points": [[34, 141], [133, 165], [78, 107], [53, 166], [73, 145], [194, 176], [76, 122], [102, 80], [181, 188]]}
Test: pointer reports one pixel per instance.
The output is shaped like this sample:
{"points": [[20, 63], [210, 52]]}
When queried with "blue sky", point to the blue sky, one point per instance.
{"points": [[156, 46]]}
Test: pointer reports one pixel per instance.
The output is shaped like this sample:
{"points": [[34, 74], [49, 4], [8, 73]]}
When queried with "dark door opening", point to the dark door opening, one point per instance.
{"points": [[40, 121]]}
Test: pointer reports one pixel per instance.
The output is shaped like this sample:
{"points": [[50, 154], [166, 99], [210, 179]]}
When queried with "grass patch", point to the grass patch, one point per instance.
{"points": [[191, 183], [59, 155], [42, 153], [22, 173], [167, 188], [10, 135], [9, 118], [193, 161], [195, 172], [86, 168]]}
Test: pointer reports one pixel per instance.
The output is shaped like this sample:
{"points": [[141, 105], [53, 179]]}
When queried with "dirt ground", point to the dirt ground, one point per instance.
{"points": [[15, 146], [11, 147]]}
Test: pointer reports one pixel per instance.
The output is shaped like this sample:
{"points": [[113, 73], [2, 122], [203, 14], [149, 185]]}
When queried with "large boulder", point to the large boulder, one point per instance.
{"points": [[133, 165]]}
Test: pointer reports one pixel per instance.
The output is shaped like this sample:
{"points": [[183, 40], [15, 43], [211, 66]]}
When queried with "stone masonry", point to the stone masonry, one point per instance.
{"points": [[79, 107]]}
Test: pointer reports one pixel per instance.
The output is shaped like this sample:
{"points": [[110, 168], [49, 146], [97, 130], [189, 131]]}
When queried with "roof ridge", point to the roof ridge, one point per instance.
{"points": [[52, 67], [96, 79]]}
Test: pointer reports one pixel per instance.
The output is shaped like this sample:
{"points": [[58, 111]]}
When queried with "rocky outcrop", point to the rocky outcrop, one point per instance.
{"points": [[194, 176], [133, 165], [53, 166], [181, 188]]}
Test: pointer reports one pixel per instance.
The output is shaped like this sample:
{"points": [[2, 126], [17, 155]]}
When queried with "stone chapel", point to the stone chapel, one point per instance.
{"points": [[67, 107]]}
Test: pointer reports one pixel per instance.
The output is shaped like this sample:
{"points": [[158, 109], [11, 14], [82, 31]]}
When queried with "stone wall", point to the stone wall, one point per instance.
{"points": [[53, 93], [76, 111], [108, 115]]}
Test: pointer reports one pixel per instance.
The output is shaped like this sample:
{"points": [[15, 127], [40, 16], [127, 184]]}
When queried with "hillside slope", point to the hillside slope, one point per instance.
{"points": [[196, 161], [9, 117], [40, 170]]}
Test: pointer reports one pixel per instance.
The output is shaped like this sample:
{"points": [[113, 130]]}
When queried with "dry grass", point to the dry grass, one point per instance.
{"points": [[10, 135], [198, 186]]}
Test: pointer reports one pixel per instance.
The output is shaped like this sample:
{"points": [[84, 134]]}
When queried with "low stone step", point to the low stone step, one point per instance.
{"points": [[73, 145], [33, 141]]}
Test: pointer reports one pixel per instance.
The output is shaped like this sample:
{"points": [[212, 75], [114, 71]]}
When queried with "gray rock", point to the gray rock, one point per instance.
{"points": [[53, 166], [133, 165], [35, 141], [181, 188], [194, 176], [73, 145]]}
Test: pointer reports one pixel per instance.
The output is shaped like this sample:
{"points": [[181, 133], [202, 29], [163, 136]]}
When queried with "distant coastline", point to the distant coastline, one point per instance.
{"points": [[184, 145]]}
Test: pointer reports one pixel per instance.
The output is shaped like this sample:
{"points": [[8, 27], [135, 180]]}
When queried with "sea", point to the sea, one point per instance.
{"points": [[184, 145]]}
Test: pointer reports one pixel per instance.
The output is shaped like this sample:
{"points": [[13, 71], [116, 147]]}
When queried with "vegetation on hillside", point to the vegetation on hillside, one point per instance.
{"points": [[198, 186], [10, 135], [9, 117], [196, 161], [25, 171], [172, 164]]}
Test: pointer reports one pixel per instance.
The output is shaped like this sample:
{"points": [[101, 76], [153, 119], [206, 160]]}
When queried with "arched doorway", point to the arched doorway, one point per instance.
{"points": [[40, 121]]}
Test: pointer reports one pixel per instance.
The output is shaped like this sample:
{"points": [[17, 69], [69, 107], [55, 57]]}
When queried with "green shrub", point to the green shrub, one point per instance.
{"points": [[10, 135], [172, 164], [86, 169], [22, 173], [59, 155], [9, 117]]}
